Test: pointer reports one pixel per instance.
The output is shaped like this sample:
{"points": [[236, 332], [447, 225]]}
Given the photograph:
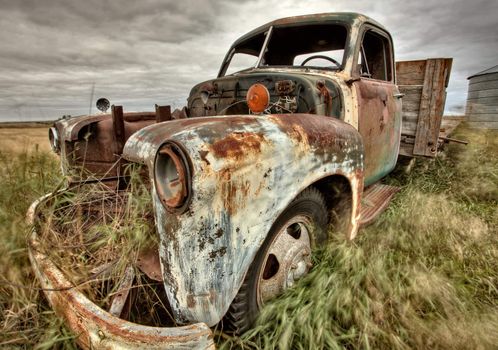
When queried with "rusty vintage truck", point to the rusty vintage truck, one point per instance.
{"points": [[284, 148]]}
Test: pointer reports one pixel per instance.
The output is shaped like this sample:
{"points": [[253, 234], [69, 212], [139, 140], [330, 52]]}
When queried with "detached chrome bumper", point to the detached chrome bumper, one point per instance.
{"points": [[94, 327]]}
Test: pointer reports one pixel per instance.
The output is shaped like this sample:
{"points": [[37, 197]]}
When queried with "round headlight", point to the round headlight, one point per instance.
{"points": [[172, 176], [53, 137]]}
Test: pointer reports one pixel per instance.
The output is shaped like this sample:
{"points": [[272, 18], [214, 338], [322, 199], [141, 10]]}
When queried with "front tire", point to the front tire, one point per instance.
{"points": [[283, 259]]}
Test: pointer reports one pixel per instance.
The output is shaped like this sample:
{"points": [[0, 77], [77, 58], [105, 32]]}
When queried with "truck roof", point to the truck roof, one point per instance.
{"points": [[348, 18]]}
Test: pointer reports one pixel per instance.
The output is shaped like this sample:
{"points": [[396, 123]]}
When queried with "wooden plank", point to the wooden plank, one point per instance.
{"points": [[411, 104], [448, 63], [411, 88], [409, 127], [431, 107], [411, 95], [410, 72], [424, 110], [449, 124], [406, 149]]}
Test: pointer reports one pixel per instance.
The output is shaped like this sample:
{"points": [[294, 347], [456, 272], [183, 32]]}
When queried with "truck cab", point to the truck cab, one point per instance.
{"points": [[336, 65]]}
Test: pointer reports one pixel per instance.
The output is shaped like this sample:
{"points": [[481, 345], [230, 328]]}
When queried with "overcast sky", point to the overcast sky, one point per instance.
{"points": [[53, 53]]}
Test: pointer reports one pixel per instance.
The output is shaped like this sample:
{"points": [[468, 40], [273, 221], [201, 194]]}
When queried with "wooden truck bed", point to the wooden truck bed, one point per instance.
{"points": [[424, 84]]}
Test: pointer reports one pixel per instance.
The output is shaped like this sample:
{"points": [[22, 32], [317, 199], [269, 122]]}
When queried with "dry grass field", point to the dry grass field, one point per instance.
{"points": [[24, 139], [423, 276]]}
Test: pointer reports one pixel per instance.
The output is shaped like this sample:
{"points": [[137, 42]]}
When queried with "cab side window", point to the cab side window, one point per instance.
{"points": [[375, 60]]}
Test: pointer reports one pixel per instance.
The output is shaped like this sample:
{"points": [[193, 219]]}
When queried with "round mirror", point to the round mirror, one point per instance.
{"points": [[103, 104]]}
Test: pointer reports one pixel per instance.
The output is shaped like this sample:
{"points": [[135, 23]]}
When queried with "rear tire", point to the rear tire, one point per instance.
{"points": [[283, 258]]}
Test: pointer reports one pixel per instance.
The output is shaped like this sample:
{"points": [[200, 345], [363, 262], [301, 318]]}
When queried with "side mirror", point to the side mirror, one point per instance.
{"points": [[103, 104]]}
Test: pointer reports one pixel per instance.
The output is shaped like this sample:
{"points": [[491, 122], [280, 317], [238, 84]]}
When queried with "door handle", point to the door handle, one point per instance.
{"points": [[400, 95]]}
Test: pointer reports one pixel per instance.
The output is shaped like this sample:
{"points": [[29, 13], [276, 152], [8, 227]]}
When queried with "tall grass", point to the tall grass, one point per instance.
{"points": [[425, 275], [26, 320]]}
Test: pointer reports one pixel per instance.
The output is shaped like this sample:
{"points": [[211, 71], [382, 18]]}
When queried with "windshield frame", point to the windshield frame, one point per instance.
{"points": [[232, 51]]}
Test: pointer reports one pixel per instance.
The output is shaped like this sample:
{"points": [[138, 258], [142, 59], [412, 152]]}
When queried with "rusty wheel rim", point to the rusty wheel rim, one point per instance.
{"points": [[287, 260]]}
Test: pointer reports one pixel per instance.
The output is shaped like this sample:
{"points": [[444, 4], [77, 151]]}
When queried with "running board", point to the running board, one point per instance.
{"points": [[375, 200]]}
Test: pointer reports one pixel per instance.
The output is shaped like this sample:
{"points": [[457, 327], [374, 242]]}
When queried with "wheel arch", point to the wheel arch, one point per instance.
{"points": [[337, 191]]}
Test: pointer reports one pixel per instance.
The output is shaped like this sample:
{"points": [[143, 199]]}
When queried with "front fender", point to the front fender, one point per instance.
{"points": [[246, 170]]}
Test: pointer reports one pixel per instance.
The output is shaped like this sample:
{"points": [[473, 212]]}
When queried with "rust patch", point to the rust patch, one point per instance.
{"points": [[148, 262], [319, 132], [237, 145], [324, 92]]}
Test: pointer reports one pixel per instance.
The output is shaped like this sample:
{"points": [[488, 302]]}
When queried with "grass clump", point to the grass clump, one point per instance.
{"points": [[425, 275], [96, 234]]}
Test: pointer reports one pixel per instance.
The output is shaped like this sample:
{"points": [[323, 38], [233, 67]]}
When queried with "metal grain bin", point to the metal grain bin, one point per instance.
{"points": [[482, 99]]}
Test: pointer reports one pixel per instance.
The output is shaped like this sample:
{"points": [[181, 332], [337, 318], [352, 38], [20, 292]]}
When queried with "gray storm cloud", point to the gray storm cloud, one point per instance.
{"points": [[138, 53]]}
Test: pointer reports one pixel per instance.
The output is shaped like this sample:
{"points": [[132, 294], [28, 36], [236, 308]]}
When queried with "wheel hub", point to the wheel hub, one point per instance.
{"points": [[287, 260]]}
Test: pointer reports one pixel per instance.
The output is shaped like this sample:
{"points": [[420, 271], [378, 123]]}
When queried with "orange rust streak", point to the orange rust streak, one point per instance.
{"points": [[238, 145]]}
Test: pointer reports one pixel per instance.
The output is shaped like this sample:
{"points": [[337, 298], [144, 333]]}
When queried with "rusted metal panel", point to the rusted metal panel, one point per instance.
{"points": [[375, 200], [379, 123], [163, 113], [246, 170], [98, 329], [92, 145], [148, 262], [118, 128], [122, 293]]}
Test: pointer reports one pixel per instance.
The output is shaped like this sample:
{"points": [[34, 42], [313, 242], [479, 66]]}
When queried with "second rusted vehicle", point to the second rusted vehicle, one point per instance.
{"points": [[282, 150]]}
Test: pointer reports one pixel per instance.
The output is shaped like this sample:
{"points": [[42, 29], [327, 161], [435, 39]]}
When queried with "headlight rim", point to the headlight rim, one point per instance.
{"points": [[184, 167], [54, 139]]}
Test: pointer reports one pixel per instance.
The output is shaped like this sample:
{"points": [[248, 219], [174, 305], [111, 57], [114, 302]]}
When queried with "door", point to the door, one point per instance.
{"points": [[379, 105]]}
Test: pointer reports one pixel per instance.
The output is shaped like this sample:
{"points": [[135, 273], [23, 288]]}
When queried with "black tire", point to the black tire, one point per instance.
{"points": [[244, 308]]}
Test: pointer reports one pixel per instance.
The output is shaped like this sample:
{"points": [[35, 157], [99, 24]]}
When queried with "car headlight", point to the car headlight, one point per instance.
{"points": [[172, 177], [53, 136]]}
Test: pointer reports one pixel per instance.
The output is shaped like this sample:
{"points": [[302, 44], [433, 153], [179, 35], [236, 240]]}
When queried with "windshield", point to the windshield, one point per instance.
{"points": [[320, 46]]}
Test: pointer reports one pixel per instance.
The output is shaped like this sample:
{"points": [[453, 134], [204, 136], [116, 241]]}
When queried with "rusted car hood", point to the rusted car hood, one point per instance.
{"points": [[142, 146]]}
